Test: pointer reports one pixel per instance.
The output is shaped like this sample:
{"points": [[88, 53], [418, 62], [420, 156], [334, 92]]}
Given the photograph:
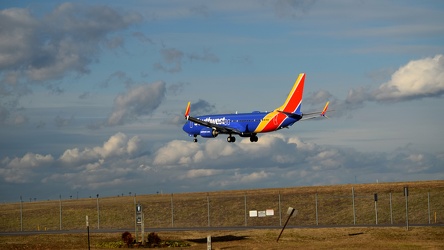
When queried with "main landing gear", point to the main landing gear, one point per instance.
{"points": [[254, 138], [230, 138]]}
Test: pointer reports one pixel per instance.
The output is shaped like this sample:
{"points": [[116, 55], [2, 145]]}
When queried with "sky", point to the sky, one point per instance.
{"points": [[92, 94]]}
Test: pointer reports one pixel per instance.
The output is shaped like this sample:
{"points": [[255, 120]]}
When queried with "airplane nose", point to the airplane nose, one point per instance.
{"points": [[187, 127]]}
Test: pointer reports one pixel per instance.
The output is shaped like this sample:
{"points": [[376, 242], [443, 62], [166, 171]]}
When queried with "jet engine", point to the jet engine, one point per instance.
{"points": [[208, 132]]}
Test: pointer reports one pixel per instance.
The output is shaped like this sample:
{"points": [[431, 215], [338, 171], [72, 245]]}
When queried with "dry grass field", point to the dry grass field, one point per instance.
{"points": [[319, 238], [317, 206]]}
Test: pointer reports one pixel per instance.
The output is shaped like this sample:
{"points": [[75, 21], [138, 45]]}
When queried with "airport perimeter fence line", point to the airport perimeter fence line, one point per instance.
{"points": [[338, 206]]}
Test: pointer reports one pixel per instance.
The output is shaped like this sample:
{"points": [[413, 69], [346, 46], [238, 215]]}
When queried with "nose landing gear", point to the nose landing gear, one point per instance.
{"points": [[231, 138]]}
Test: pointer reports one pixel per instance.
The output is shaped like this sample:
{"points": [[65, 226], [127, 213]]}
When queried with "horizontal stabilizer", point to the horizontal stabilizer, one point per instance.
{"points": [[313, 115]]}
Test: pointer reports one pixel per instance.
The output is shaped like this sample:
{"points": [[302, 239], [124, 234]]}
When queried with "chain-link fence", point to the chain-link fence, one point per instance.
{"points": [[382, 204]]}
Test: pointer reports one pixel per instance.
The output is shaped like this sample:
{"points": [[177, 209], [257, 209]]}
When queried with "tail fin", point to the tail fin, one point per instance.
{"points": [[187, 110], [294, 98]]}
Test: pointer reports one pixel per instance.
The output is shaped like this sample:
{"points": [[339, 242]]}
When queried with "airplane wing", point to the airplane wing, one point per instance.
{"points": [[313, 115], [220, 128]]}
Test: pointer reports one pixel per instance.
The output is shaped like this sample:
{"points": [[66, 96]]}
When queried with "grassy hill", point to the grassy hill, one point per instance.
{"points": [[322, 205]]}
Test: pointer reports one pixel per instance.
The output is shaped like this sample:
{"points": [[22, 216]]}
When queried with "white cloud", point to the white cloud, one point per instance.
{"points": [[65, 40], [272, 148], [117, 145], [30, 160], [417, 79], [36, 50], [133, 145], [328, 159], [139, 100], [241, 179], [17, 33], [416, 158], [196, 173], [215, 150], [301, 145], [255, 176], [176, 153], [280, 160], [21, 170]]}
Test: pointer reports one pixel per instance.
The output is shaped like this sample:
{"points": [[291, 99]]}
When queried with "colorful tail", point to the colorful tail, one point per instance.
{"points": [[187, 111], [291, 108], [294, 99]]}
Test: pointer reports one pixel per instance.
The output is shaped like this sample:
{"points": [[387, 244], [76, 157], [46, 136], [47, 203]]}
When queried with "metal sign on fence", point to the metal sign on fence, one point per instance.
{"points": [[261, 213], [140, 225], [139, 214]]}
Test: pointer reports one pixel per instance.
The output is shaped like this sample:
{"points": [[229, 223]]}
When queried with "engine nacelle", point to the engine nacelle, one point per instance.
{"points": [[208, 132]]}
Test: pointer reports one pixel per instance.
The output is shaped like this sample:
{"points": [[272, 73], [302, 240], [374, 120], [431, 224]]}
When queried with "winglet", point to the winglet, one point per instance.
{"points": [[187, 111], [325, 109]]}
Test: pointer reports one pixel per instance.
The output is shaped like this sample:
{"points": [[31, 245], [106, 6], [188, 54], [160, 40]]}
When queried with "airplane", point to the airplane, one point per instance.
{"points": [[251, 124]]}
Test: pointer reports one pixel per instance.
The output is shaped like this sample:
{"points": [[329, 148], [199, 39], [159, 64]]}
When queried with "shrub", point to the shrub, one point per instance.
{"points": [[127, 238], [153, 240]]}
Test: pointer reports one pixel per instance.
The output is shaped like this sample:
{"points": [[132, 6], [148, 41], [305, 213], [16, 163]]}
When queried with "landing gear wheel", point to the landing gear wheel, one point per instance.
{"points": [[231, 139], [254, 138], [195, 138]]}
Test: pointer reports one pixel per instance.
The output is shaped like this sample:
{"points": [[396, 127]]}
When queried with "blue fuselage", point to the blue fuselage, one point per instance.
{"points": [[245, 124]]}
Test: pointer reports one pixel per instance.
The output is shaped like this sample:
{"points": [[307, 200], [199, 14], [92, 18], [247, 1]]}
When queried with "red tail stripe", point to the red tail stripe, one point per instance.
{"points": [[296, 98]]}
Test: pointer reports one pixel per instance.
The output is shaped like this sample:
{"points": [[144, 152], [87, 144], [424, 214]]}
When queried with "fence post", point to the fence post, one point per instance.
{"points": [[60, 211], [172, 211], [208, 209], [376, 207], [87, 229], [391, 208], [353, 201], [406, 194], [21, 213], [316, 202], [428, 204], [280, 213], [245, 207], [98, 212], [135, 217]]}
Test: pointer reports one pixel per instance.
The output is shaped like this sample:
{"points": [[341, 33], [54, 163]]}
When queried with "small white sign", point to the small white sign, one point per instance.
{"points": [[253, 213], [269, 212], [262, 214]]}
